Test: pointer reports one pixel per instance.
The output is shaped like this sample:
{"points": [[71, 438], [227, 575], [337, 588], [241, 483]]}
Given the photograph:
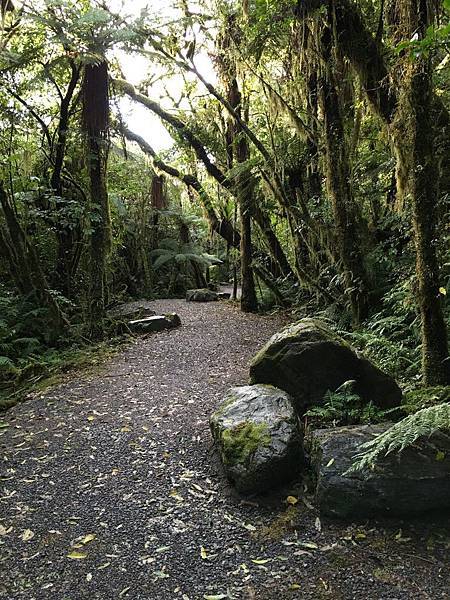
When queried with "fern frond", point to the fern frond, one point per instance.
{"points": [[422, 424]]}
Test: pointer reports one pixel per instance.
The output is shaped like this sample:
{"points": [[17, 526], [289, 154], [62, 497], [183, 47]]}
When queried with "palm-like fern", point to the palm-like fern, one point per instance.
{"points": [[422, 424], [172, 251]]}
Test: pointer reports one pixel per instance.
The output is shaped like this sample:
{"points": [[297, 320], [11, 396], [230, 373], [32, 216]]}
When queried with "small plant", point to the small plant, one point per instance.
{"points": [[345, 407]]}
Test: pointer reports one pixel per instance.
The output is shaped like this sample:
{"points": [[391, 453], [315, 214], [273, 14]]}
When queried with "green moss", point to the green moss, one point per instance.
{"points": [[283, 525], [425, 397], [241, 442]]}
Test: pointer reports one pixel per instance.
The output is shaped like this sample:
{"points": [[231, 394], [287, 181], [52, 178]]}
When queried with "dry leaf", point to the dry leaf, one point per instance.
{"points": [[261, 561], [88, 538], [292, 500], [75, 555], [27, 535]]}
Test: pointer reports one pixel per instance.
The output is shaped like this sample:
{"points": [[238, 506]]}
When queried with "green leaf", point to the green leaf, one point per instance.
{"points": [[75, 555], [162, 260], [6, 364]]}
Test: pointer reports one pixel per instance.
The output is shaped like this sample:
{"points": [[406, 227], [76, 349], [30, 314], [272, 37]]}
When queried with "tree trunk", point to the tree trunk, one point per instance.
{"points": [[67, 236], [419, 167], [338, 175], [95, 123], [245, 190]]}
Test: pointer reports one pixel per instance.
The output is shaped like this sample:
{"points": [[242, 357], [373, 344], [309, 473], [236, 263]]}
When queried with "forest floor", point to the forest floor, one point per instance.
{"points": [[110, 488]]}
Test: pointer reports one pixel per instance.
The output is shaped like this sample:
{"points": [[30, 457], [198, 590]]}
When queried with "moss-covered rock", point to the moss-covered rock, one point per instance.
{"points": [[307, 358], [201, 295], [131, 311], [155, 323], [257, 436]]}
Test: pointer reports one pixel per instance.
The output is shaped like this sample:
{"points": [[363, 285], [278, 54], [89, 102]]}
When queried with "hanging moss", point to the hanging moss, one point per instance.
{"points": [[241, 442]]}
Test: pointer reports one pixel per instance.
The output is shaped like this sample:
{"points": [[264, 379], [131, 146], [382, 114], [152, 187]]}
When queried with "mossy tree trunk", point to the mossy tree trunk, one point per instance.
{"points": [[419, 170], [249, 302], [95, 124], [338, 175], [238, 151]]}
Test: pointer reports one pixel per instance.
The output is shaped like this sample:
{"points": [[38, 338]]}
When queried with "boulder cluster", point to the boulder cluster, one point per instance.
{"points": [[260, 435]]}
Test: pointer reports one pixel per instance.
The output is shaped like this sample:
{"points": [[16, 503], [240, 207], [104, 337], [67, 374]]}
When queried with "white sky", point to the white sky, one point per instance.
{"points": [[136, 68]]}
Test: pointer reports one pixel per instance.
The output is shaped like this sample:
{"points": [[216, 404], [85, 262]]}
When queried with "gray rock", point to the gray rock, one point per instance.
{"points": [[223, 295], [155, 323], [306, 359], [256, 431], [201, 295], [131, 311], [415, 481]]}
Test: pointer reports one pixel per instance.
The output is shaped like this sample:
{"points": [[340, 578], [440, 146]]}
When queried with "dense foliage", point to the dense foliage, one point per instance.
{"points": [[310, 161]]}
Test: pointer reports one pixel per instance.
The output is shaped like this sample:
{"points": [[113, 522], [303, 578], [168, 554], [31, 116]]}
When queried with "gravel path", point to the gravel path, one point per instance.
{"points": [[110, 489]]}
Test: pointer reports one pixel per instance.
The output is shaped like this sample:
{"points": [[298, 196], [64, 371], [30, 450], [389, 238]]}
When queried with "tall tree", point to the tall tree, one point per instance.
{"points": [[95, 126], [415, 142], [238, 150]]}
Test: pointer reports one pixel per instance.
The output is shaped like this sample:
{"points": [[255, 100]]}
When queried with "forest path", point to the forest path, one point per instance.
{"points": [[110, 489]]}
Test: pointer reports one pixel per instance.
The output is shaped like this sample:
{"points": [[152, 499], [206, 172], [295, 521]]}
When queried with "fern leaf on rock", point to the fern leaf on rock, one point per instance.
{"points": [[422, 424]]}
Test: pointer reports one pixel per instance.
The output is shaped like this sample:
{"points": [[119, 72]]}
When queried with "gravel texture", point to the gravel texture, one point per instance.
{"points": [[110, 488]]}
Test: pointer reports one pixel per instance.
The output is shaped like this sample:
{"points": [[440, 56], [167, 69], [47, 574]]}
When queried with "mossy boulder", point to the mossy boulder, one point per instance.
{"points": [[201, 295], [155, 323], [307, 358], [131, 311], [256, 432], [414, 481]]}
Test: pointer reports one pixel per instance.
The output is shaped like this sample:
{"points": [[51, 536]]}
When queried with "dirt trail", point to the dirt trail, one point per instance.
{"points": [[110, 489]]}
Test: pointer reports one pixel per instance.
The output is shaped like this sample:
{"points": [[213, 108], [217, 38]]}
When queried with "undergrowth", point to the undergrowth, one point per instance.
{"points": [[344, 407], [30, 358]]}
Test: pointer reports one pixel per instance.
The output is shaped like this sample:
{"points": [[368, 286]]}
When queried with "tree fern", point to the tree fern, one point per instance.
{"points": [[422, 424]]}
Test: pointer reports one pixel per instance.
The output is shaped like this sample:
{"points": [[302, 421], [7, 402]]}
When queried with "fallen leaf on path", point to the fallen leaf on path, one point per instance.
{"points": [[27, 535], [88, 538], [261, 561], [310, 545], [75, 555]]}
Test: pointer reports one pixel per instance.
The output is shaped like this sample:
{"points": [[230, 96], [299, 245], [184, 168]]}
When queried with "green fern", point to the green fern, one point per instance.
{"points": [[405, 433]]}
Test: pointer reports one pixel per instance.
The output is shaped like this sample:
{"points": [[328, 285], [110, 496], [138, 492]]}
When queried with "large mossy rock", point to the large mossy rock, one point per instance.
{"points": [[411, 482], [201, 295], [155, 323], [256, 431], [307, 358], [131, 311]]}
